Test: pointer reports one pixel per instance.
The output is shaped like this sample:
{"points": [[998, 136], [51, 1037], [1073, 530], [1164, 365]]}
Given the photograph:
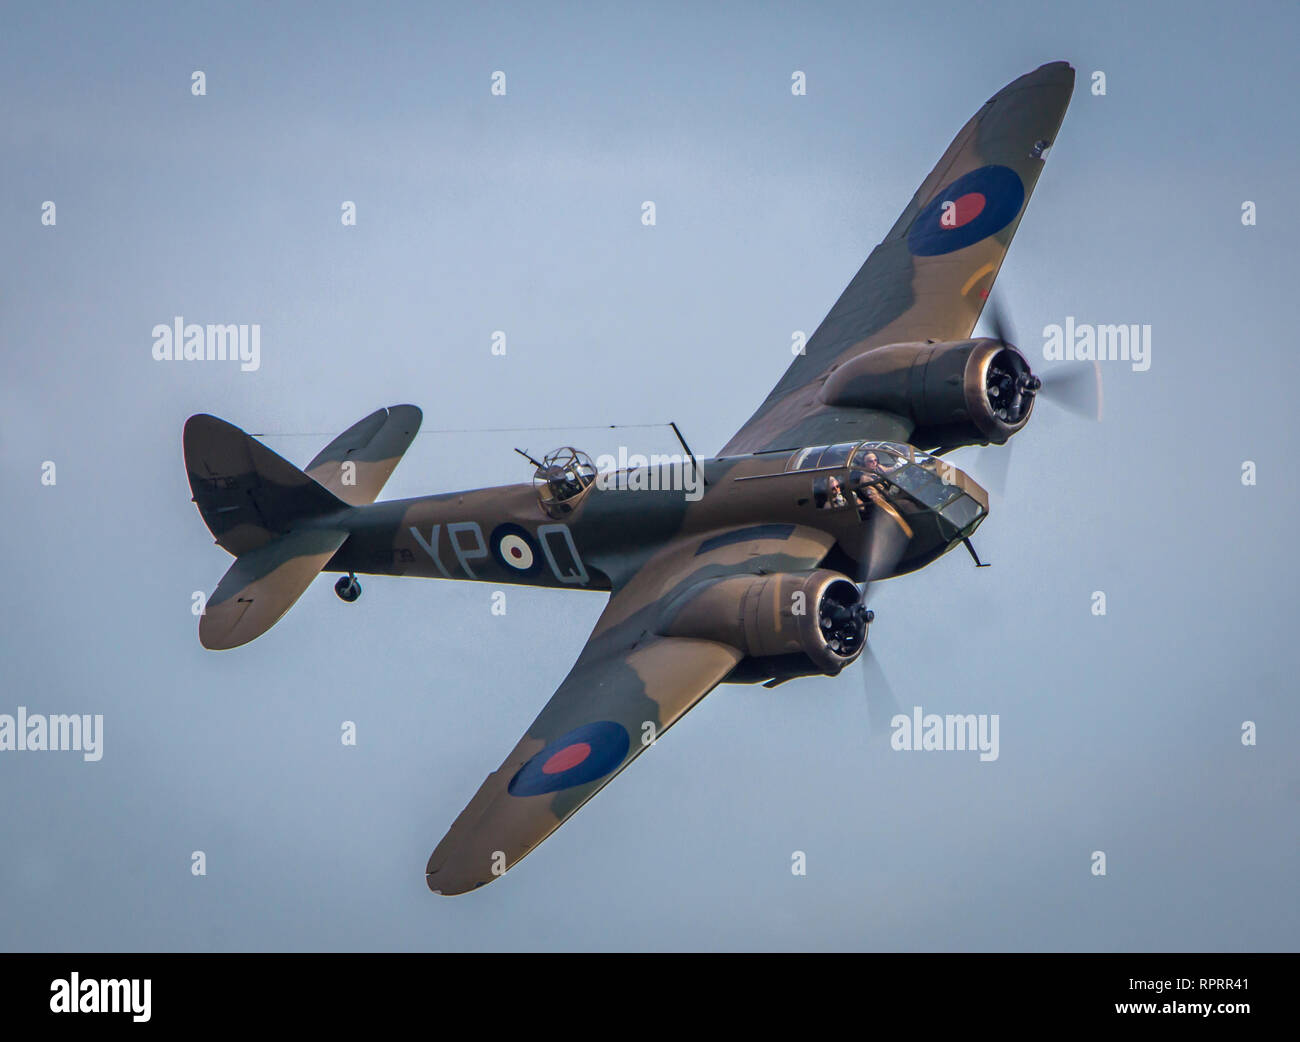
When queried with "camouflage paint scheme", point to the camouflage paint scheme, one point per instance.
{"points": [[897, 297], [650, 658]]}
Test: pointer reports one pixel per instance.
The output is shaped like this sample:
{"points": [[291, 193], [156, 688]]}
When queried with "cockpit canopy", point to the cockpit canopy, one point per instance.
{"points": [[563, 480], [888, 455], [892, 467]]}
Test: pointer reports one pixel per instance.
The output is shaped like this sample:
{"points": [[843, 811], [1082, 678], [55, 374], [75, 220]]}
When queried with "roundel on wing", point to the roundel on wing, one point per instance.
{"points": [[515, 550], [583, 755], [972, 208]]}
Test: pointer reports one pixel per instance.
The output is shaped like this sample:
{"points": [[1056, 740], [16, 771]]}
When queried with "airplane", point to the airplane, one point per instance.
{"points": [[837, 480]]}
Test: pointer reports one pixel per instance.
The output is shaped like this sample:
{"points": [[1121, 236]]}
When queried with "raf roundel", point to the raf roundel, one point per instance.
{"points": [[583, 755], [973, 207], [515, 550]]}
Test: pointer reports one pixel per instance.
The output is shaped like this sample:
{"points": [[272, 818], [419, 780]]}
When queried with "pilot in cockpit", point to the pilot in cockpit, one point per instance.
{"points": [[871, 463], [868, 483]]}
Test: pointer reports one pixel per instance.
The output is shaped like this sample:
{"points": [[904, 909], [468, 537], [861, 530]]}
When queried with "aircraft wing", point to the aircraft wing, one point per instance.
{"points": [[931, 275], [629, 685]]}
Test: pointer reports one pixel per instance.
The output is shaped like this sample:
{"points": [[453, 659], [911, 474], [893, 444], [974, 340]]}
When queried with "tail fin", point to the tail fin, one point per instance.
{"points": [[246, 493], [251, 499], [355, 465], [274, 517]]}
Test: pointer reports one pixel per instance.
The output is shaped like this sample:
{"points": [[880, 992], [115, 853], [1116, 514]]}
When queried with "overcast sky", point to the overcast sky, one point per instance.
{"points": [[1118, 733]]}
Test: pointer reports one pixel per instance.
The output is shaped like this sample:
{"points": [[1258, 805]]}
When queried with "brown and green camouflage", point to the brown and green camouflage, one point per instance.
{"points": [[753, 574]]}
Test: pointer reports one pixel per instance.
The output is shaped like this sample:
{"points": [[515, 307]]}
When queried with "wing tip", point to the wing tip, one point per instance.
{"points": [[1048, 74], [451, 888], [219, 634]]}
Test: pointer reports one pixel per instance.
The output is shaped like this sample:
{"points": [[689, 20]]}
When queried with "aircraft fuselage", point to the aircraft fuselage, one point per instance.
{"points": [[503, 534]]}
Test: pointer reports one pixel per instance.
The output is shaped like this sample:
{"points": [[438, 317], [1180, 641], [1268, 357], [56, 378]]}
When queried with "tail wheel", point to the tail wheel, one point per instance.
{"points": [[348, 588]]}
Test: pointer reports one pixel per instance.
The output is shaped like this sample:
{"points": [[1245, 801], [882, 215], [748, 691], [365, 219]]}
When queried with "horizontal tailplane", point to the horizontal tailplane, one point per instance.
{"points": [[263, 584]]}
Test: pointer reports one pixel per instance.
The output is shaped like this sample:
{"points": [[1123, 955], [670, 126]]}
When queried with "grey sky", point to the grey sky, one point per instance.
{"points": [[522, 214]]}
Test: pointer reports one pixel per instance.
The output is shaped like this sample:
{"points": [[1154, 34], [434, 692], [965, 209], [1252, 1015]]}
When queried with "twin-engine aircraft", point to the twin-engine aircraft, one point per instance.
{"points": [[836, 479]]}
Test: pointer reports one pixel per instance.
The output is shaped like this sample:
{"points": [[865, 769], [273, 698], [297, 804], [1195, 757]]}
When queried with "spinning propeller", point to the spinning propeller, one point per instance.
{"points": [[885, 539], [1072, 386]]}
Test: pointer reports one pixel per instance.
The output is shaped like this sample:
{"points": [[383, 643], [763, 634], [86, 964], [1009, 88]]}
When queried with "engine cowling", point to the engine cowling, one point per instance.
{"points": [[962, 393], [787, 624]]}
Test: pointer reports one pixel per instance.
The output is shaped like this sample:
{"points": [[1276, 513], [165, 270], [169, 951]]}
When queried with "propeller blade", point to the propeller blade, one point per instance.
{"points": [[992, 464], [999, 322], [886, 538], [882, 705], [1075, 388], [883, 504]]}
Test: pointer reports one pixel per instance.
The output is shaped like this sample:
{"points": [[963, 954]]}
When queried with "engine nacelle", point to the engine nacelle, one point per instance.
{"points": [[787, 624], [962, 393]]}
